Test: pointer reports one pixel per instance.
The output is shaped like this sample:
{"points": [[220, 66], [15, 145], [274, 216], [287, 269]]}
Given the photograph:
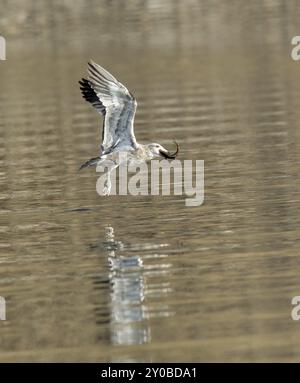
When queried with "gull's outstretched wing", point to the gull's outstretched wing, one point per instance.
{"points": [[115, 103]]}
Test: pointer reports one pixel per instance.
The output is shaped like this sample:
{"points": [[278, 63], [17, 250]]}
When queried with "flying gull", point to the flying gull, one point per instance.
{"points": [[117, 105]]}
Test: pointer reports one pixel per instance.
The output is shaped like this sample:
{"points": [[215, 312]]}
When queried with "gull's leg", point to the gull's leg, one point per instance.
{"points": [[107, 186]]}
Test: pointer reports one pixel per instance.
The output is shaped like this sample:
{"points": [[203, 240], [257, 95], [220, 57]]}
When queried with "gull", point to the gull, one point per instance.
{"points": [[117, 105]]}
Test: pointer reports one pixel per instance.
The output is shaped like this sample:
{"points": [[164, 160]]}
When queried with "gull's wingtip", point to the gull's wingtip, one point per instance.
{"points": [[92, 161], [80, 167], [84, 165], [92, 62]]}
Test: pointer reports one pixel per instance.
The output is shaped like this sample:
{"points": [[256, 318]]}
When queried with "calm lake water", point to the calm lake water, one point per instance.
{"points": [[146, 278]]}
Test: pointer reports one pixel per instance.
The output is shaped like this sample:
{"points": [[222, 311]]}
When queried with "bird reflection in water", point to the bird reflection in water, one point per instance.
{"points": [[128, 313]]}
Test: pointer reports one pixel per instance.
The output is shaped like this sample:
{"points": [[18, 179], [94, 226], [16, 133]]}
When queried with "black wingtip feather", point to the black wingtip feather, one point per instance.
{"points": [[90, 95]]}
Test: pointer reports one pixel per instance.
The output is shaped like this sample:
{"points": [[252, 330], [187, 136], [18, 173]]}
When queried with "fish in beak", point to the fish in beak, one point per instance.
{"points": [[170, 156]]}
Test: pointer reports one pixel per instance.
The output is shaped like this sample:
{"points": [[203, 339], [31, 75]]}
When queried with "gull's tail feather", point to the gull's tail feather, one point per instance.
{"points": [[91, 162]]}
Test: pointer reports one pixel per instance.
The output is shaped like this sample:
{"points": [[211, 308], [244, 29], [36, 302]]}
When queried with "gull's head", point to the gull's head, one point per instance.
{"points": [[158, 150]]}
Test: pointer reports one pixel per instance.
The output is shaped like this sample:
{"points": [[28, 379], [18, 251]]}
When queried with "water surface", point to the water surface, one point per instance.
{"points": [[145, 278]]}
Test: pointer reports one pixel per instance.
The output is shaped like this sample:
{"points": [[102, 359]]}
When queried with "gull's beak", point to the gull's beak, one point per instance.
{"points": [[168, 155]]}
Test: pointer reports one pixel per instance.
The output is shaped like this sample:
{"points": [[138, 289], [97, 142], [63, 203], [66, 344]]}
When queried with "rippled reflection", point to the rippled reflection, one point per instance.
{"points": [[128, 291], [127, 294]]}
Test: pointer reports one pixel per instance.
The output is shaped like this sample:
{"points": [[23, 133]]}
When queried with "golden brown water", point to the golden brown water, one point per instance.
{"points": [[145, 278]]}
